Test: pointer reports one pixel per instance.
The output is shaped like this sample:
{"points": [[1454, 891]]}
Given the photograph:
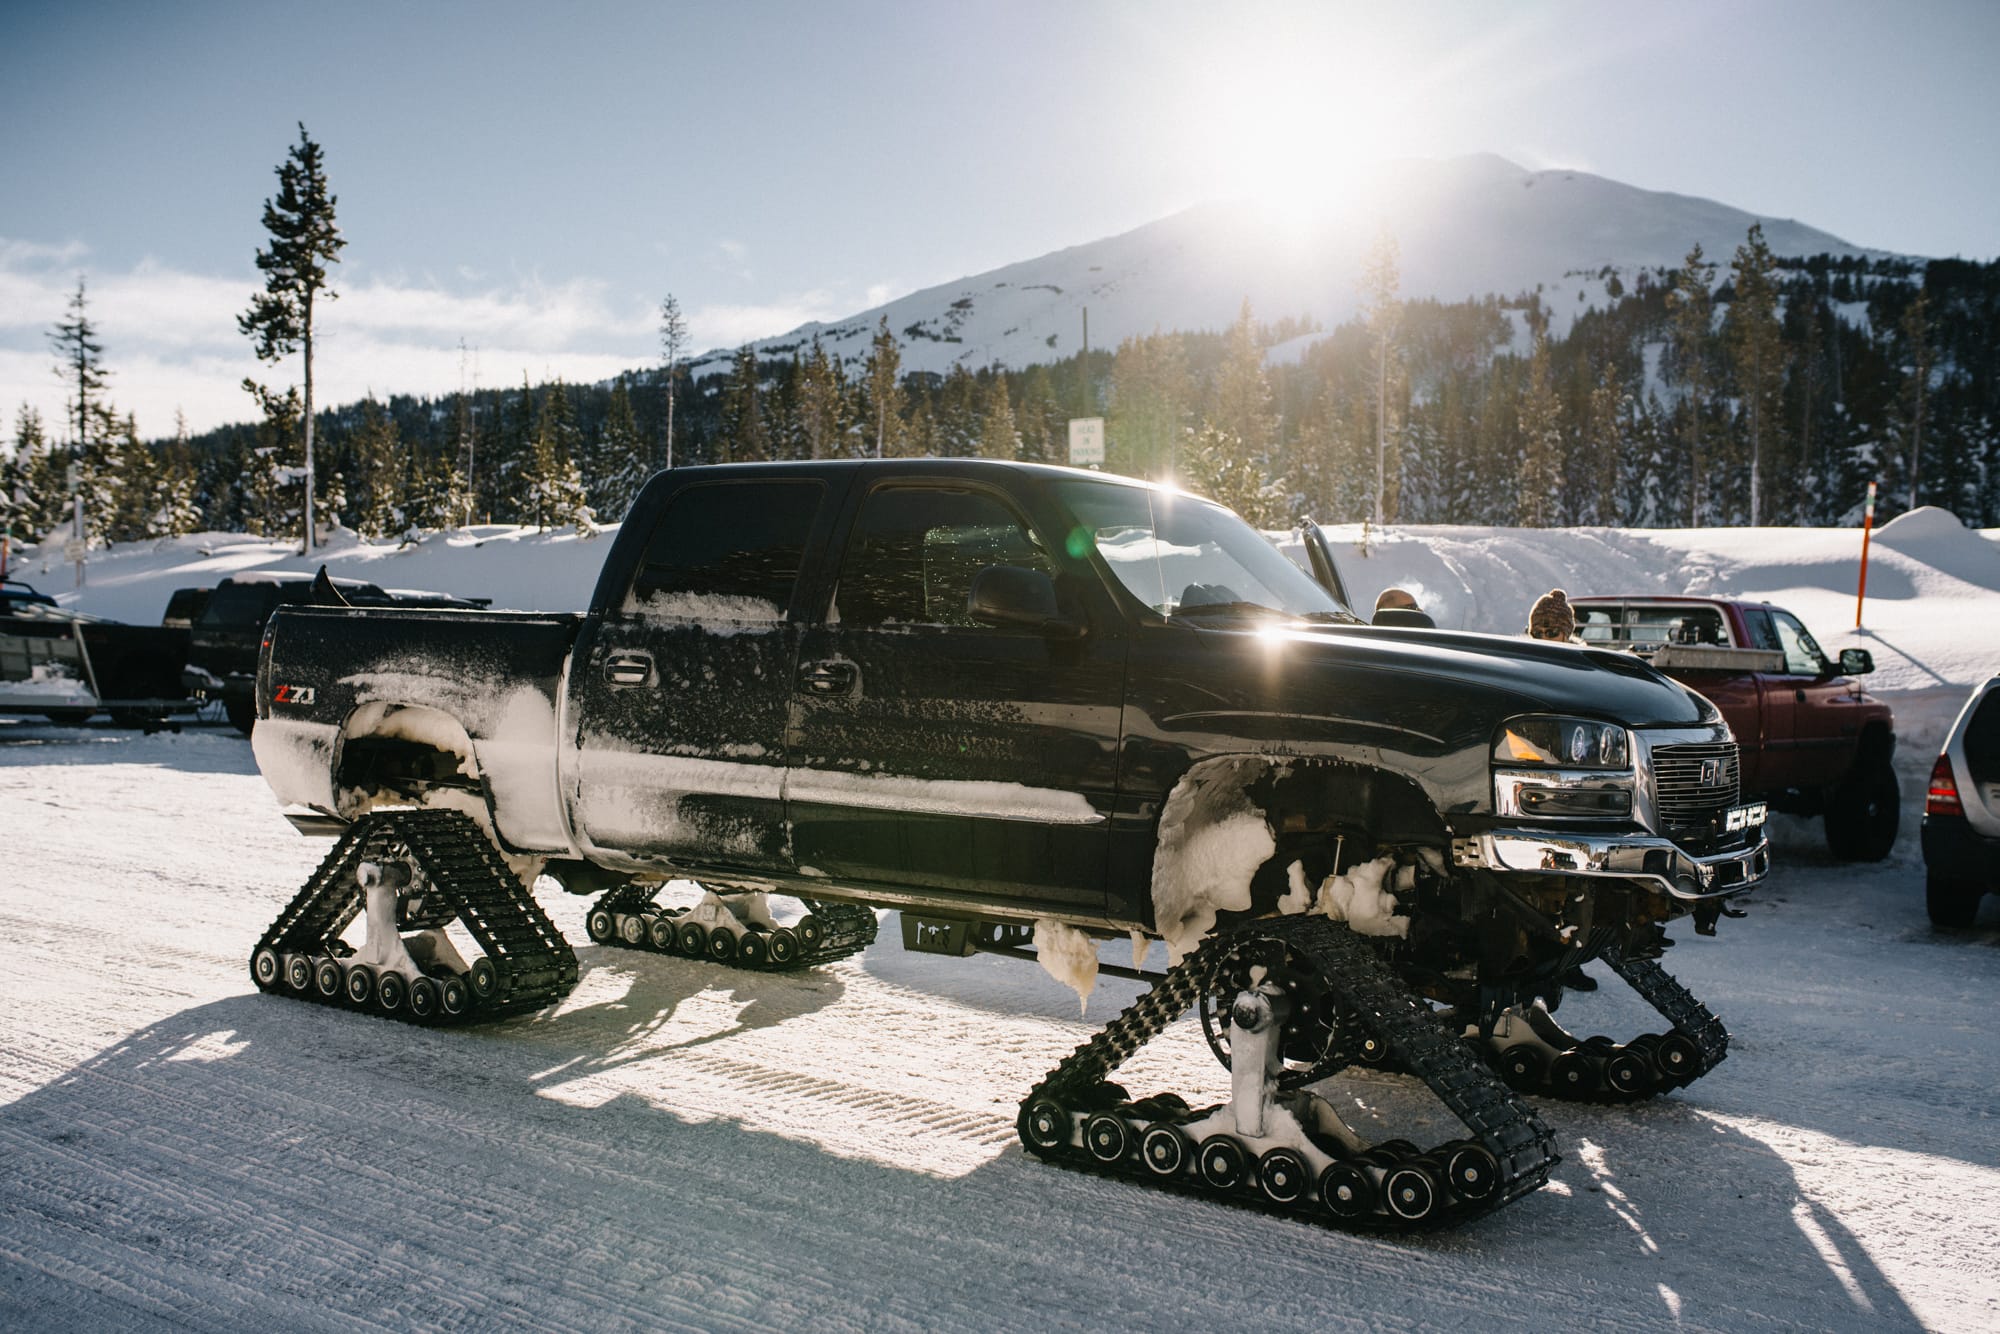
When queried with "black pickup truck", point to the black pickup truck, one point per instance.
{"points": [[1034, 708]]}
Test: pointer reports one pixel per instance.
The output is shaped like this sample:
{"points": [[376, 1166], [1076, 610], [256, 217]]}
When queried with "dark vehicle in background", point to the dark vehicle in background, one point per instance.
{"points": [[1962, 813], [68, 667], [1811, 741], [185, 607], [229, 627]]}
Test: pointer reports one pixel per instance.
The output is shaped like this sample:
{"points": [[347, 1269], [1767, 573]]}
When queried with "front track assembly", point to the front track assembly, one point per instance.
{"points": [[421, 871], [1280, 1148], [733, 929]]}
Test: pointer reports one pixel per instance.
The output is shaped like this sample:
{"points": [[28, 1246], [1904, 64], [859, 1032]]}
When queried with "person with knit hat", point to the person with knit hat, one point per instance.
{"points": [[1553, 617]]}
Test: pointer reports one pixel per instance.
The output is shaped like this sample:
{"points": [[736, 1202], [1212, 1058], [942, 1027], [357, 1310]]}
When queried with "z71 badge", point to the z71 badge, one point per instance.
{"points": [[293, 695]]}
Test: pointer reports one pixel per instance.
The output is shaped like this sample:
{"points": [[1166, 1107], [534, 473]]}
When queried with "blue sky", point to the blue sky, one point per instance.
{"points": [[532, 178]]}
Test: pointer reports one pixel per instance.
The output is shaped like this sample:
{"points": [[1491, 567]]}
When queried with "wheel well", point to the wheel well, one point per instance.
{"points": [[402, 750], [1329, 814], [1877, 745]]}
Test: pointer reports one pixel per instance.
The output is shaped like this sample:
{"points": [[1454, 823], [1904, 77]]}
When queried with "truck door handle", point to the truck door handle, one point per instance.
{"points": [[1799, 695], [827, 678], [628, 669]]}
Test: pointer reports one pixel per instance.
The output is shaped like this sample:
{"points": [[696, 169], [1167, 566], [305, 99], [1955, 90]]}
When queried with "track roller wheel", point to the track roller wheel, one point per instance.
{"points": [[1599, 1045], [298, 972], [1045, 1125], [1164, 1149], [266, 968], [1574, 1073], [601, 925], [423, 998], [391, 991], [1107, 1137], [327, 980], [722, 945], [1523, 1066], [1410, 1192], [783, 944], [1223, 1162], [1346, 1191], [360, 984], [632, 929], [693, 938], [1372, 1050], [810, 931], [482, 978], [1679, 1058], [1629, 1073], [752, 949], [1472, 1172], [1283, 1176], [660, 934], [454, 997]]}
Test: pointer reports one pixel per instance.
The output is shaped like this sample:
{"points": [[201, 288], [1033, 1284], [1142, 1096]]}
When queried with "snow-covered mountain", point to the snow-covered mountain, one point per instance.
{"points": [[1465, 227]]}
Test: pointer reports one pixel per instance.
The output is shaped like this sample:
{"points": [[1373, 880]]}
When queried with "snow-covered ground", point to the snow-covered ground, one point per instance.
{"points": [[681, 1146]]}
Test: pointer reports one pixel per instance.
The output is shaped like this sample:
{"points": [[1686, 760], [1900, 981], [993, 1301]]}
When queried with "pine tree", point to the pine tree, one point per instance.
{"points": [[267, 512], [1757, 349], [379, 475], [818, 405], [881, 376], [80, 363], [744, 439], [1040, 420], [174, 509], [1379, 281], [1918, 358], [1541, 480], [619, 465], [304, 241], [1690, 304], [438, 496], [1216, 464], [1240, 406], [957, 414], [997, 437], [552, 487], [673, 346], [1149, 401], [131, 473]]}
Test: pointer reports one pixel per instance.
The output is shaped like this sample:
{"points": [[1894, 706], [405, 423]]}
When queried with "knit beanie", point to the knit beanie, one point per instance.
{"points": [[1552, 617]]}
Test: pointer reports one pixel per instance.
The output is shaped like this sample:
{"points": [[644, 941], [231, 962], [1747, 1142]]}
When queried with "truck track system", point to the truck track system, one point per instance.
{"points": [[1276, 1146], [628, 918], [424, 870], [1535, 1054]]}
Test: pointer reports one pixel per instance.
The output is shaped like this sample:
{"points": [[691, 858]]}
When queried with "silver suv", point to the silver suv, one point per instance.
{"points": [[1962, 813]]}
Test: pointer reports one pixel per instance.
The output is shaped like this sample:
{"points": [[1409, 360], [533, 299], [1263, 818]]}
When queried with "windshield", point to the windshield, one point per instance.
{"points": [[1184, 556]]}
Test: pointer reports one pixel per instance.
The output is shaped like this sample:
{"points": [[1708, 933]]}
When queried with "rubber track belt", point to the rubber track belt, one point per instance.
{"points": [[533, 965], [1677, 1005], [845, 929], [1520, 1144]]}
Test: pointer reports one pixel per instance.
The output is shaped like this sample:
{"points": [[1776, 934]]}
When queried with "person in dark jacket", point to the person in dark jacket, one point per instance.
{"points": [[1395, 606]]}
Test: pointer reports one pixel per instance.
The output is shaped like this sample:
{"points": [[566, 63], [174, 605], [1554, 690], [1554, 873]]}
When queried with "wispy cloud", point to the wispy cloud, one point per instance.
{"points": [[172, 344]]}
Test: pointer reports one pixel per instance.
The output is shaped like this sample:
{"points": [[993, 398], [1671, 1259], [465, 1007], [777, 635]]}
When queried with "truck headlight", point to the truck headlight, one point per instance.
{"points": [[1556, 768]]}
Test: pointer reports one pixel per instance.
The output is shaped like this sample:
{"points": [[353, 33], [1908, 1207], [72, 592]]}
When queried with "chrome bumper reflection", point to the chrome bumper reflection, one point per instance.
{"points": [[1625, 856]]}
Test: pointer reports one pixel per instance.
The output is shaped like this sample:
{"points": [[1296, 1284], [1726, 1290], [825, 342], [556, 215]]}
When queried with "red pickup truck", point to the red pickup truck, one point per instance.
{"points": [[1811, 741]]}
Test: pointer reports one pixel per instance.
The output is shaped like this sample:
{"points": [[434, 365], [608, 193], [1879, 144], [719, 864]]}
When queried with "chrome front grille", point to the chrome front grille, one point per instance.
{"points": [[1693, 785]]}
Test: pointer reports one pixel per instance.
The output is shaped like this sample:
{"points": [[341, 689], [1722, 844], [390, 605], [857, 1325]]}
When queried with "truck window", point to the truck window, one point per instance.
{"points": [[726, 551], [1763, 634], [1601, 625], [1802, 655], [1651, 627], [915, 550]]}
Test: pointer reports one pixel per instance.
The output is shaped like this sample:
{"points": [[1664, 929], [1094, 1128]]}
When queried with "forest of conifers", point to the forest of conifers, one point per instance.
{"points": [[1818, 375]]}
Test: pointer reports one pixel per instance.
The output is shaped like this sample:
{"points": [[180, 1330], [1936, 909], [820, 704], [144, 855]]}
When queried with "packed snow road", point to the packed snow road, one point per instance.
{"points": [[681, 1146]]}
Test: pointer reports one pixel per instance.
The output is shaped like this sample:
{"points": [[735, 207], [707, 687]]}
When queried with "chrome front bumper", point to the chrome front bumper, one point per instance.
{"points": [[1621, 856]]}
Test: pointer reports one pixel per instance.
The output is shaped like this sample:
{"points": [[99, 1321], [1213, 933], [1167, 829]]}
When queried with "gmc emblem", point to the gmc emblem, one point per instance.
{"points": [[1711, 772], [293, 695]]}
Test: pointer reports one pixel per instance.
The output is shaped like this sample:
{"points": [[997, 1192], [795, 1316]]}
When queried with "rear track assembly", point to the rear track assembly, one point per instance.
{"points": [[1288, 1152], [733, 930], [420, 869]]}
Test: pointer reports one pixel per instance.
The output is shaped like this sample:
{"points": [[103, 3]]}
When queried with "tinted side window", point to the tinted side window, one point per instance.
{"points": [[915, 550], [1763, 634], [1982, 739], [1802, 655], [729, 550]]}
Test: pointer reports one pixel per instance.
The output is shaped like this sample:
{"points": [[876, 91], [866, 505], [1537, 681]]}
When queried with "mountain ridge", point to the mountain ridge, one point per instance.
{"points": [[1466, 227]]}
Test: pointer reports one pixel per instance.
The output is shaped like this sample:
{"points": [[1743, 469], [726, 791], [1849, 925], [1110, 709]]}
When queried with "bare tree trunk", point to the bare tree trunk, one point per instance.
{"points": [[309, 423]]}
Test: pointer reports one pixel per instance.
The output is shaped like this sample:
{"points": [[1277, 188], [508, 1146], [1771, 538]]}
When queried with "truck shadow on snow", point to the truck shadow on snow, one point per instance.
{"points": [[260, 1160]]}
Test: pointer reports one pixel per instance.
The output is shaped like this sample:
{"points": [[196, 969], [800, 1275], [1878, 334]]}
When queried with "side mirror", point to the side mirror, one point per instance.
{"points": [[1008, 595], [1856, 662]]}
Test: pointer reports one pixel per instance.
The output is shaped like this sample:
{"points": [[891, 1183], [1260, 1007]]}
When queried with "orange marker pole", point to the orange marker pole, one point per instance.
{"points": [[1867, 526]]}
